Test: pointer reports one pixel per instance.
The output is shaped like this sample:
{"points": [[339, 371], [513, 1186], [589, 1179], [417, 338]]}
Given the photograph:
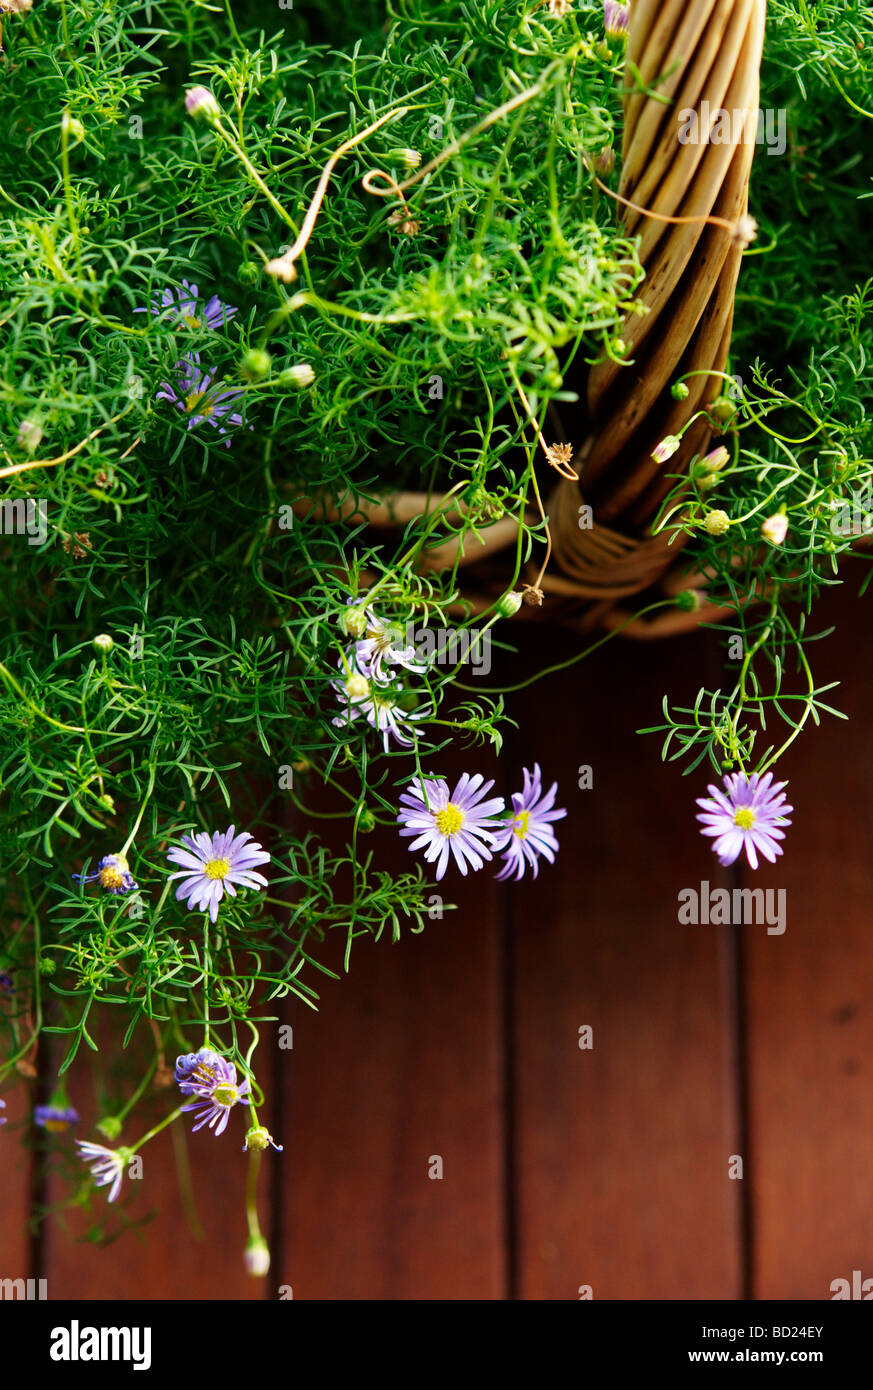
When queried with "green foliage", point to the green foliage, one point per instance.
{"points": [[395, 359]]}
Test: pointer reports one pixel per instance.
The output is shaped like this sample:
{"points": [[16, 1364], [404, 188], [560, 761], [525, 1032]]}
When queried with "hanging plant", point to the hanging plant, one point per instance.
{"points": [[334, 356]]}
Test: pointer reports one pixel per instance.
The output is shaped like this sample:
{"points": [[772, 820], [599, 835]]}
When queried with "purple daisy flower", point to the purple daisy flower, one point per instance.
{"points": [[107, 1165], [194, 393], [112, 873], [529, 833], [55, 1118], [382, 645], [212, 865], [376, 704], [747, 815], [214, 1085], [183, 307], [457, 823], [196, 1071]]}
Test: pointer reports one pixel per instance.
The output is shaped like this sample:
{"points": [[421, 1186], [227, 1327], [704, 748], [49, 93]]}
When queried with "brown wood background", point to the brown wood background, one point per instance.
{"points": [[563, 1167]]}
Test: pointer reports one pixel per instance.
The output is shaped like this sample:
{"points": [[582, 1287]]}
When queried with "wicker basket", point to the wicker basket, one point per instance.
{"points": [[702, 55]]}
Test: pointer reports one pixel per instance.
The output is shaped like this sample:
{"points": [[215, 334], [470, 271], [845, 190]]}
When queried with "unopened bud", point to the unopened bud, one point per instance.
{"points": [[715, 460], [29, 435], [200, 103], [257, 1257], [509, 603], [255, 364], [354, 620], [775, 528], [299, 377]]}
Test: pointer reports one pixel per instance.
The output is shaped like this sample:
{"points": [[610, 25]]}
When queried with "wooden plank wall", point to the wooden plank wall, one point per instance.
{"points": [[568, 1169]]}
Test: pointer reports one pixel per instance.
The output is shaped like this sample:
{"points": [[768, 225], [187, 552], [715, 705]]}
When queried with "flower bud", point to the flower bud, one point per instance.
{"points": [[410, 159], [680, 391], [723, 409], [299, 377], [257, 1257], [604, 161], [366, 821], [256, 364], [509, 603], [714, 461], [75, 128], [666, 449], [29, 435], [354, 620], [248, 273], [689, 600], [716, 522], [103, 643], [110, 1127], [775, 528], [200, 103]]}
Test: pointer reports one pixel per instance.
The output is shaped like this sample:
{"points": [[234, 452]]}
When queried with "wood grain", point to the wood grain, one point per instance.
{"points": [[810, 997], [401, 1063], [622, 1151]]}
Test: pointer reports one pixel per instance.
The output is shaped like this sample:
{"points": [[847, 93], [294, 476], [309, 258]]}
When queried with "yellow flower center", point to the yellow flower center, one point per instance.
{"points": [[193, 401], [111, 877], [520, 826], [191, 321], [744, 818], [56, 1126], [225, 1095], [450, 819], [217, 868], [357, 687]]}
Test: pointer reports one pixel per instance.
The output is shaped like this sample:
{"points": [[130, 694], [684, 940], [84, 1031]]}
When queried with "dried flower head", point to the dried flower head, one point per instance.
{"points": [[281, 268], [560, 456], [405, 222], [716, 522], [79, 543], [744, 231]]}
